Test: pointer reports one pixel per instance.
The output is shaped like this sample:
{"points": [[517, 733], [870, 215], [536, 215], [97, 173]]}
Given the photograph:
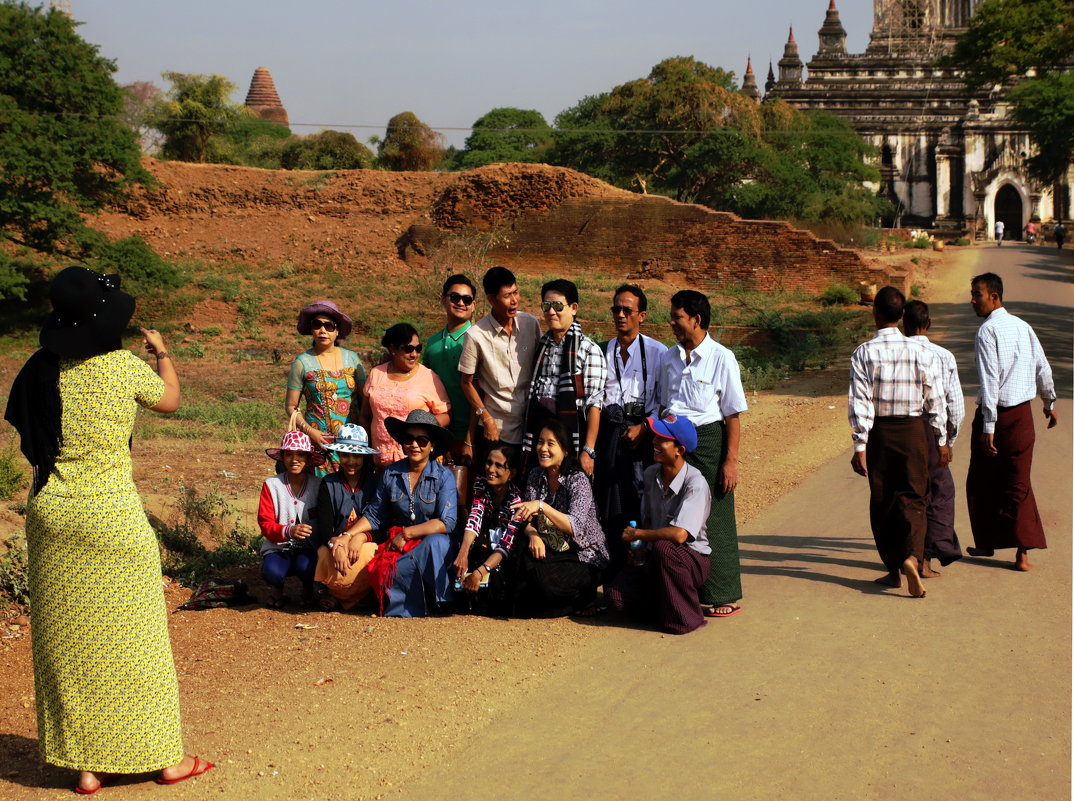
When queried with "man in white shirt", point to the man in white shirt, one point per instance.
{"points": [[630, 396], [999, 232], [893, 383], [1012, 369], [701, 381], [941, 541]]}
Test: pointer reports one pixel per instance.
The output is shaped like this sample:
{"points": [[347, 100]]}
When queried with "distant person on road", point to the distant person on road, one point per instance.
{"points": [[1031, 232], [396, 388], [630, 396], [999, 232], [700, 380], [675, 563], [1012, 369], [497, 364], [568, 377], [941, 541], [1060, 234], [328, 376], [442, 353], [894, 382]]}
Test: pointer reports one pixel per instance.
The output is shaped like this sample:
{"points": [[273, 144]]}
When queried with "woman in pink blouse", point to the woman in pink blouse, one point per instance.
{"points": [[396, 388]]}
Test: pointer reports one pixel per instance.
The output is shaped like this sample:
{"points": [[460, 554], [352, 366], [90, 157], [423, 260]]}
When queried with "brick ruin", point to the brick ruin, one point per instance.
{"points": [[263, 100], [547, 218]]}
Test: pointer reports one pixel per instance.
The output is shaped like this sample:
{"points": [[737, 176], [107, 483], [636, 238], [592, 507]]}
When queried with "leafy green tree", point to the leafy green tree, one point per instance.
{"points": [[327, 150], [140, 98], [583, 139], [506, 135], [196, 109], [63, 147], [249, 141], [410, 144], [1030, 43]]}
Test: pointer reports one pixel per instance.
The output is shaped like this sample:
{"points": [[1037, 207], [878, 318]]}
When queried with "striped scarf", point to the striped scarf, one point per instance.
{"points": [[570, 394]]}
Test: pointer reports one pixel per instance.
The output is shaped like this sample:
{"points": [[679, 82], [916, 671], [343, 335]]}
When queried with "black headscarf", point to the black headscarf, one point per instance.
{"points": [[35, 410]]}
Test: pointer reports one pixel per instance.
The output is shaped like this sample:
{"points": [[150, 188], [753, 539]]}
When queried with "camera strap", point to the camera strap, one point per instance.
{"points": [[644, 368]]}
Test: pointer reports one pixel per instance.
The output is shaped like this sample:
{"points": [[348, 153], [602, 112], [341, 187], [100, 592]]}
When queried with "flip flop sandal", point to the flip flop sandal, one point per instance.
{"points": [[198, 769], [714, 611]]}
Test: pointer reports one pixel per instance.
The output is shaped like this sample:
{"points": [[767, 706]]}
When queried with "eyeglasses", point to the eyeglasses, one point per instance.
{"points": [[409, 348], [554, 305], [625, 310], [455, 297], [327, 325], [419, 439]]}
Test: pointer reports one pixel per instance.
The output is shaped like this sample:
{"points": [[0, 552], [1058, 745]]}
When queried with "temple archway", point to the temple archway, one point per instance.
{"points": [[1008, 208]]}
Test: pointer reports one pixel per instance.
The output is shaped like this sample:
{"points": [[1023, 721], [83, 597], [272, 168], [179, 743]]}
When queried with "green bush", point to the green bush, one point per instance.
{"points": [[921, 243], [12, 476], [191, 351], [961, 242], [838, 295], [145, 274], [327, 150], [212, 331], [14, 571]]}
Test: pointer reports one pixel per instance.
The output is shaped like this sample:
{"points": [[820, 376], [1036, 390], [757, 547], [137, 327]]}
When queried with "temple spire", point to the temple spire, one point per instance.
{"points": [[790, 66], [770, 81], [833, 36], [263, 100], [749, 82]]}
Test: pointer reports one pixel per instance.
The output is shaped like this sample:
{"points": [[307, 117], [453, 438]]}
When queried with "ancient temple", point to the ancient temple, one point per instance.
{"points": [[949, 160], [263, 100]]}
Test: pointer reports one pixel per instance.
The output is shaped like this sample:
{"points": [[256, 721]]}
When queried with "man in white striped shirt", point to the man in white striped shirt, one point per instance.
{"points": [[1012, 369], [941, 541], [893, 382]]}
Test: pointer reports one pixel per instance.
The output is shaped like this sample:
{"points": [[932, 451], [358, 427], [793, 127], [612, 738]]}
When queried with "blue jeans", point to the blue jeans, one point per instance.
{"points": [[421, 576], [278, 565]]}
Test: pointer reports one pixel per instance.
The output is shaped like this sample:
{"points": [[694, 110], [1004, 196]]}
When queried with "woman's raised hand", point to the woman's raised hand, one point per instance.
{"points": [[154, 342]]}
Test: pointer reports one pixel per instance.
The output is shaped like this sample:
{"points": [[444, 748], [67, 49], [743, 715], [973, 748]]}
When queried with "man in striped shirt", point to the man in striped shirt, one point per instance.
{"points": [[894, 381], [1012, 370], [941, 541]]}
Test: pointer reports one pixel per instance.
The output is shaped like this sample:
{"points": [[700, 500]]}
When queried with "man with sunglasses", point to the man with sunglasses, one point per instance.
{"points": [[630, 396], [497, 363], [442, 353]]}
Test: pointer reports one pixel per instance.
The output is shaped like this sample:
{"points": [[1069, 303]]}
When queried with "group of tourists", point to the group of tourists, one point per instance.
{"points": [[906, 409], [609, 464], [502, 470]]}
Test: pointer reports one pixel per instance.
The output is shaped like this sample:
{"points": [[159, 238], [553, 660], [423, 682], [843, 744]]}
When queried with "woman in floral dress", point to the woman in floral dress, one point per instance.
{"points": [[328, 376]]}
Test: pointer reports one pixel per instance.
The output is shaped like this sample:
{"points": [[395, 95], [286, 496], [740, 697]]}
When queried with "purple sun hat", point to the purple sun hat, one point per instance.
{"points": [[329, 309]]}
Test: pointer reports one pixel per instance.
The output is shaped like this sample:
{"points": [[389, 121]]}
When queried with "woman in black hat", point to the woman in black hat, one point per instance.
{"points": [[415, 506], [106, 689], [328, 376]]}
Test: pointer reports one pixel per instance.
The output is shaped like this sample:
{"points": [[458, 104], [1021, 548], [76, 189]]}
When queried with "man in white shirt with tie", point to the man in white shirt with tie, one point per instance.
{"points": [[1012, 369], [630, 396]]}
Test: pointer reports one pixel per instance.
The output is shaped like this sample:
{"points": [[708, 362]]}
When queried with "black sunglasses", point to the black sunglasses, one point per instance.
{"points": [[554, 305], [626, 310], [420, 439], [455, 297], [409, 348], [327, 325]]}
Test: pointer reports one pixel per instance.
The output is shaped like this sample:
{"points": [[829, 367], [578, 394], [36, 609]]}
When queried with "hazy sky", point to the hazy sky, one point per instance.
{"points": [[353, 64]]}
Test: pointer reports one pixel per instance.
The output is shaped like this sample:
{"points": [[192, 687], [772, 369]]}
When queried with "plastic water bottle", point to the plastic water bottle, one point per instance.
{"points": [[638, 550]]}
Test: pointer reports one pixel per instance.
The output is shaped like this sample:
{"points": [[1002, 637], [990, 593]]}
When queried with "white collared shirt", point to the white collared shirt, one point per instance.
{"points": [[952, 387], [704, 386], [1011, 366], [628, 383]]}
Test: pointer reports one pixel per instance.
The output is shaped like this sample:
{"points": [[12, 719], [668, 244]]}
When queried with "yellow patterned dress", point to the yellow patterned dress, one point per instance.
{"points": [[107, 694]]}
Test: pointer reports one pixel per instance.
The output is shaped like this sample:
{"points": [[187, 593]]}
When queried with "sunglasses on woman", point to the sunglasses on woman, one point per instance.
{"points": [[463, 300], [554, 305], [409, 348], [327, 325], [420, 439]]}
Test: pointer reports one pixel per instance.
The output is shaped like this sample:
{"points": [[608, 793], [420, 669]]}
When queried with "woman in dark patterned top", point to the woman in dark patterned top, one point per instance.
{"points": [[490, 532], [557, 572]]}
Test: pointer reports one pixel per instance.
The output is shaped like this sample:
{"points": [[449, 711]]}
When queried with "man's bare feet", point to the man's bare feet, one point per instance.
{"points": [[979, 552], [1021, 560], [892, 579], [927, 571], [913, 578]]}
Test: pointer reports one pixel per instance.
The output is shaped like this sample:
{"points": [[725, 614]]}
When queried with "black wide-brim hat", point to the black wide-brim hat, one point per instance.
{"points": [[440, 436], [89, 314]]}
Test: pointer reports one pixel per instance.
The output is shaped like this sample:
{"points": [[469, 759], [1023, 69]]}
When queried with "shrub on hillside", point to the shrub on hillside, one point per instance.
{"points": [[327, 150], [838, 295]]}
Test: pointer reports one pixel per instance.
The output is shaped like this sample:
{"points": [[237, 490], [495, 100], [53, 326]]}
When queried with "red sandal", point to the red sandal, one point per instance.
{"points": [[198, 769]]}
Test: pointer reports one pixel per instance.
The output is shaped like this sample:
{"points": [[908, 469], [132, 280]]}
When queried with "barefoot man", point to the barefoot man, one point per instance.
{"points": [[1012, 369], [893, 382]]}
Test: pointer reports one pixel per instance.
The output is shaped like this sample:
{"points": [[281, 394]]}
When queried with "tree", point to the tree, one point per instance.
{"points": [[583, 139], [64, 149], [506, 135], [410, 144], [250, 142], [196, 109], [327, 150], [1029, 43], [140, 98]]}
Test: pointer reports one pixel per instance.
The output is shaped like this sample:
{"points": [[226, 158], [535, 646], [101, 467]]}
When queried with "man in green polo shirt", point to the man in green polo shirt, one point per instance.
{"points": [[441, 355]]}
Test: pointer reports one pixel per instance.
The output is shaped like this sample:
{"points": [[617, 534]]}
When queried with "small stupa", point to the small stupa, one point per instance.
{"points": [[749, 83], [263, 100]]}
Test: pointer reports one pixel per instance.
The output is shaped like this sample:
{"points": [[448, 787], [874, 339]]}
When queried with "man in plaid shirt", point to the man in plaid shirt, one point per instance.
{"points": [[894, 382]]}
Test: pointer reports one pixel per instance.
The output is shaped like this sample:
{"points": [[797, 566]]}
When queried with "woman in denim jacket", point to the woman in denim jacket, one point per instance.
{"points": [[415, 506]]}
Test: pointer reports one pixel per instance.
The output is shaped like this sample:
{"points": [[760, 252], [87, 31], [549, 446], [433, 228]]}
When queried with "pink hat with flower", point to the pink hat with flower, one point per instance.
{"points": [[296, 441]]}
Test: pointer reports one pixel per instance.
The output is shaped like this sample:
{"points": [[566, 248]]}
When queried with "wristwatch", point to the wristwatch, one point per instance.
{"points": [[592, 453]]}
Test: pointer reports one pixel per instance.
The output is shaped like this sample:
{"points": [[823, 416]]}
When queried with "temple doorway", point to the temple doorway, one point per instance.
{"points": [[1008, 208]]}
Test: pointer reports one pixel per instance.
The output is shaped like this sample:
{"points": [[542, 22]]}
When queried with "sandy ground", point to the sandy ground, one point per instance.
{"points": [[822, 688]]}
